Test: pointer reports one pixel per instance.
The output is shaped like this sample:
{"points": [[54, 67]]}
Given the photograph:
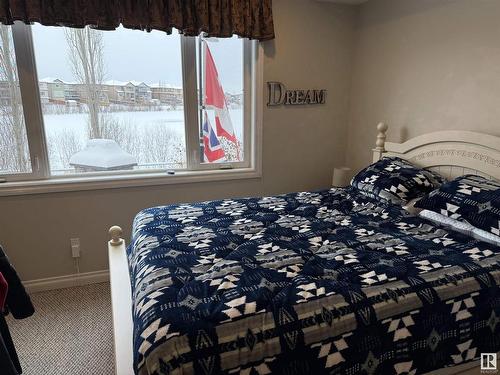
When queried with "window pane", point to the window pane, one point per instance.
{"points": [[111, 100], [14, 151], [220, 67]]}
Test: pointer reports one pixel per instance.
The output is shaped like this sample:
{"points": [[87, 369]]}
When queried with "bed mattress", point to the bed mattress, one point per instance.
{"points": [[311, 282]]}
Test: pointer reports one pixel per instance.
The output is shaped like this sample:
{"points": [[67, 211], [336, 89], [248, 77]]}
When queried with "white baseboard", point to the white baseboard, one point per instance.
{"points": [[66, 281]]}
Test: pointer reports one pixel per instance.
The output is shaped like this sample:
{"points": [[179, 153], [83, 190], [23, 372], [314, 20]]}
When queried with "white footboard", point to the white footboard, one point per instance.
{"points": [[121, 298]]}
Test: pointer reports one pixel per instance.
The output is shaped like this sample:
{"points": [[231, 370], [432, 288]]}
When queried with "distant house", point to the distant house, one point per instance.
{"points": [[5, 97], [56, 89], [43, 88], [5, 93], [166, 94], [129, 93], [71, 92], [119, 92], [113, 90], [143, 93], [83, 92]]}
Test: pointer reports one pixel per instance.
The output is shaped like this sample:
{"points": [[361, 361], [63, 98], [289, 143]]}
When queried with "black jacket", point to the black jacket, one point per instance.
{"points": [[18, 301], [19, 304]]}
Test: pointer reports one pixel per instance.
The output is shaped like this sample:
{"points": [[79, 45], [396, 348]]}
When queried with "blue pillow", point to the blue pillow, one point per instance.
{"points": [[469, 198], [395, 180]]}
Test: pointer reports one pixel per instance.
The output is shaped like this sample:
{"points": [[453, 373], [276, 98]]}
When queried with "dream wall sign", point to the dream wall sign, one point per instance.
{"points": [[279, 95]]}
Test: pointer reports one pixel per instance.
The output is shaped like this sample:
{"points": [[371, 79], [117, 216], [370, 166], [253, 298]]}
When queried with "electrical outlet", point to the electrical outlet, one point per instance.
{"points": [[75, 247]]}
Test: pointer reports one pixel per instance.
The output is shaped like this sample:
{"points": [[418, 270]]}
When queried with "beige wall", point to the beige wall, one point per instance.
{"points": [[420, 65], [300, 148], [424, 65]]}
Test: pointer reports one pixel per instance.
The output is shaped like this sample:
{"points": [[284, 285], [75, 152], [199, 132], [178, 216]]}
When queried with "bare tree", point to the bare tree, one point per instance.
{"points": [[63, 146], [13, 138], [155, 145], [160, 145], [86, 57], [123, 132]]}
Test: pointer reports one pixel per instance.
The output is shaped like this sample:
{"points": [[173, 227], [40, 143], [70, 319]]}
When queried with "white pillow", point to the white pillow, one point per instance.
{"points": [[460, 226], [484, 235]]}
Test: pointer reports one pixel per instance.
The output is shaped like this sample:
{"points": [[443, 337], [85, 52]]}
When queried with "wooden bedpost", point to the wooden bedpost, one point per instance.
{"points": [[115, 232], [380, 144]]}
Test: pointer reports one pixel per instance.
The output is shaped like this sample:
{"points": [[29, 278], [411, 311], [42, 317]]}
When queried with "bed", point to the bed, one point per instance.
{"points": [[313, 282]]}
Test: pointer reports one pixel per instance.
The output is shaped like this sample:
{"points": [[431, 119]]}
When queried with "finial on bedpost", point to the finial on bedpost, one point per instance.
{"points": [[115, 232], [381, 136], [380, 143]]}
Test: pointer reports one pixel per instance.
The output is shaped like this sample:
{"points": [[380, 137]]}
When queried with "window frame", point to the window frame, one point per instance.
{"points": [[195, 163], [40, 179], [32, 110]]}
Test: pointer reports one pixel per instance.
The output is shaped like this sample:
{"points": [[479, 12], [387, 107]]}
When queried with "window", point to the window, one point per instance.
{"points": [[221, 100], [15, 157], [123, 102], [110, 95]]}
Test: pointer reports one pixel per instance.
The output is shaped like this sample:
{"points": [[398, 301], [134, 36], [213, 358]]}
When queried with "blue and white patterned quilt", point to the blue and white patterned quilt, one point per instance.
{"points": [[328, 282]]}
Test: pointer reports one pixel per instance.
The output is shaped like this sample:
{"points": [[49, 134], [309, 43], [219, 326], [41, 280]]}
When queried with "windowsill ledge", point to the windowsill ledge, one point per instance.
{"points": [[82, 183]]}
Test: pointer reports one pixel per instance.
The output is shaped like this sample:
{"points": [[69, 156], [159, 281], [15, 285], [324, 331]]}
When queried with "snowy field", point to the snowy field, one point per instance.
{"points": [[57, 127]]}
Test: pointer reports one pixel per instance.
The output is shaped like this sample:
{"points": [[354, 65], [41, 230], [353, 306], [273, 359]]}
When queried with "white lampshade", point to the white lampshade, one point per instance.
{"points": [[341, 176]]}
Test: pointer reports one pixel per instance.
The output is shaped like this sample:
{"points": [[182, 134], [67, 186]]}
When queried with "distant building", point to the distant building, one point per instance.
{"points": [[71, 92], [119, 92], [142, 92], [5, 93], [115, 92], [56, 90], [166, 94], [82, 93], [5, 99], [43, 88], [126, 93], [129, 93]]}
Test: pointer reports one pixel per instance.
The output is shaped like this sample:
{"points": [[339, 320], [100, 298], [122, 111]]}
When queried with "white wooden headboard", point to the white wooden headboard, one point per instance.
{"points": [[451, 153]]}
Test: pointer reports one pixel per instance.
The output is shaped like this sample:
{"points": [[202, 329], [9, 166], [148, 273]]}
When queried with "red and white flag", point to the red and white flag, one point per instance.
{"points": [[215, 99], [212, 150]]}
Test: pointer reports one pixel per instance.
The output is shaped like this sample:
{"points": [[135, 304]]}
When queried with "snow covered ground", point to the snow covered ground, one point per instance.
{"points": [[58, 126]]}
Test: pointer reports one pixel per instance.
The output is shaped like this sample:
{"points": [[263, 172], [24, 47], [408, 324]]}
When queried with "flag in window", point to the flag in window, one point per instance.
{"points": [[212, 150], [215, 99]]}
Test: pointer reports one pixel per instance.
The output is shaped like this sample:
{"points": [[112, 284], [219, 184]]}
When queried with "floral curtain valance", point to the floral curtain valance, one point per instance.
{"points": [[218, 18]]}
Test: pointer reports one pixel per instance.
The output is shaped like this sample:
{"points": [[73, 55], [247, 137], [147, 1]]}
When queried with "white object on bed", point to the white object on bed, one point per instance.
{"points": [[485, 236], [461, 227], [446, 221]]}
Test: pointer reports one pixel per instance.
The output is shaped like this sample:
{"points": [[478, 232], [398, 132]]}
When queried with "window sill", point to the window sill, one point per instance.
{"points": [[82, 183]]}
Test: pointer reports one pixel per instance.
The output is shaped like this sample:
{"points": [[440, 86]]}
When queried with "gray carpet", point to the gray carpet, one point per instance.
{"points": [[70, 333]]}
